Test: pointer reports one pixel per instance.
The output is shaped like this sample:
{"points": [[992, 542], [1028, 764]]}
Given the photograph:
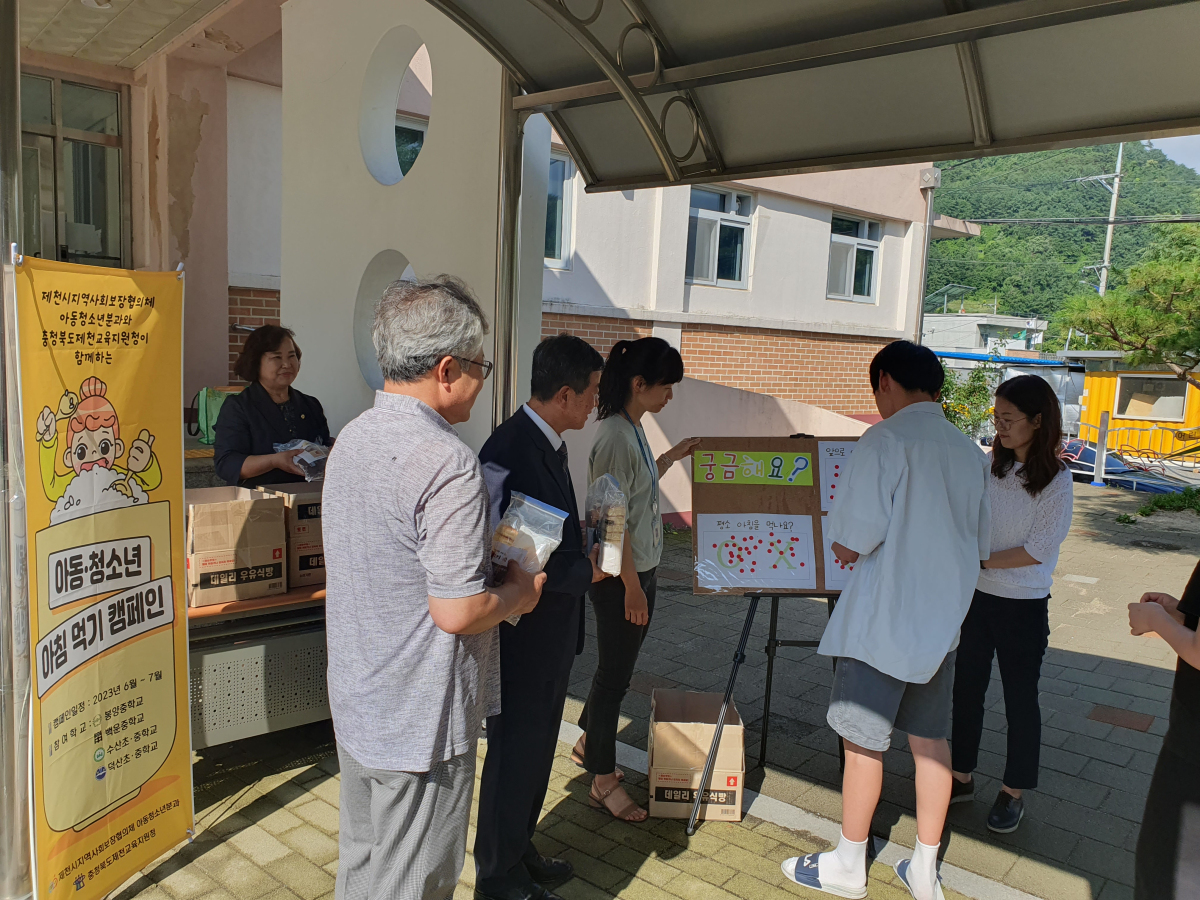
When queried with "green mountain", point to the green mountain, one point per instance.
{"points": [[1030, 270]]}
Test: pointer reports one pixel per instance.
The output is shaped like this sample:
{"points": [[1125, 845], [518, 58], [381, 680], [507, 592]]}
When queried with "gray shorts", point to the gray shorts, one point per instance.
{"points": [[865, 705]]}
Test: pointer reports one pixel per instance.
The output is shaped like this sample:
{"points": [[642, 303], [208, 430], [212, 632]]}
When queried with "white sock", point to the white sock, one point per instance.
{"points": [[845, 864], [922, 871]]}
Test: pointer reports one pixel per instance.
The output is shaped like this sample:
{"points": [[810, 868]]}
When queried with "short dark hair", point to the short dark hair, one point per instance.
{"points": [[652, 358], [912, 367], [261, 341], [563, 360]]}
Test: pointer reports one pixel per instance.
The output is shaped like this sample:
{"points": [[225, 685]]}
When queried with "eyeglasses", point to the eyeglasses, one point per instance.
{"points": [[1008, 423], [486, 365]]}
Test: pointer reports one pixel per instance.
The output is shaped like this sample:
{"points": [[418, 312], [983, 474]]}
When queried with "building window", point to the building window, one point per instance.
{"points": [[853, 259], [558, 211], [1153, 397], [719, 238], [410, 138], [74, 178]]}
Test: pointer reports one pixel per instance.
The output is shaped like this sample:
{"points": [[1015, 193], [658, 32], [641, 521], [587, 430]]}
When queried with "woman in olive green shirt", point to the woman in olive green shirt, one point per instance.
{"points": [[637, 379]]}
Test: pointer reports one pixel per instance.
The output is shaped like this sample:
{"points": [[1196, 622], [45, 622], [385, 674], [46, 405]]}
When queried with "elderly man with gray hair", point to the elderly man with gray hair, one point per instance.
{"points": [[411, 622]]}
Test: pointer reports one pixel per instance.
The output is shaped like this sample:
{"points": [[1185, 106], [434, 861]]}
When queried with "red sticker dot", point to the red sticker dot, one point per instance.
{"points": [[831, 496], [802, 565], [843, 567], [837, 467], [714, 545], [741, 570], [772, 534], [774, 567], [837, 474]]}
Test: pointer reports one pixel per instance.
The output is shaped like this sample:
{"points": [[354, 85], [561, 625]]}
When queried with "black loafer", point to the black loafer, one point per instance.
{"points": [[1006, 813], [516, 892], [962, 791], [547, 870]]}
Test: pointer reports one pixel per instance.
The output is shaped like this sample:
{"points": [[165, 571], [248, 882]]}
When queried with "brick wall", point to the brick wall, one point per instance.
{"points": [[251, 307], [825, 370], [601, 333]]}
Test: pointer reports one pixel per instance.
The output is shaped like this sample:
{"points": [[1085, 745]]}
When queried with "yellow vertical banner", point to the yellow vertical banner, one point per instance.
{"points": [[101, 392]]}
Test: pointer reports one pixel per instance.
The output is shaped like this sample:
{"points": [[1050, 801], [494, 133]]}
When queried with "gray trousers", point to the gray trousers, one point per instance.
{"points": [[403, 835]]}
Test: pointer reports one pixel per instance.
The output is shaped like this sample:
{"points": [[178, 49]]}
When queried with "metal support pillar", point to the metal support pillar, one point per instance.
{"points": [[931, 179], [15, 856], [1101, 451], [508, 257]]}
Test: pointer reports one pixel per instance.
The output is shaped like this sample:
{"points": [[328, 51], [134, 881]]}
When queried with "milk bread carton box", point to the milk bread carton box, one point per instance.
{"points": [[306, 547], [682, 725], [236, 545]]}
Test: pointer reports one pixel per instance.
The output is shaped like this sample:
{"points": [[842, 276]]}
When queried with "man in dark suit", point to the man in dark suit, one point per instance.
{"points": [[527, 454]]}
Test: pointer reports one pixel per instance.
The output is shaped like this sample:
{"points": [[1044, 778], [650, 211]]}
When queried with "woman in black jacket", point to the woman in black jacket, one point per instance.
{"points": [[1175, 787], [268, 412]]}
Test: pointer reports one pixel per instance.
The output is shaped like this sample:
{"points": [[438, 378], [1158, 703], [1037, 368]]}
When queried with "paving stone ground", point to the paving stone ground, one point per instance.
{"points": [[267, 823], [1081, 825], [267, 807]]}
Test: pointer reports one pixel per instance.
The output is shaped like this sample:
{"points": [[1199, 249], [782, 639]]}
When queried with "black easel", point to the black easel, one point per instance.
{"points": [[772, 643], [739, 657]]}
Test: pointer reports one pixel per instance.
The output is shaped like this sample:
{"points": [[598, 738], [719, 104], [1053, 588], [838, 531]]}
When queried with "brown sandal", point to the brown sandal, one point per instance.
{"points": [[623, 813], [577, 757]]}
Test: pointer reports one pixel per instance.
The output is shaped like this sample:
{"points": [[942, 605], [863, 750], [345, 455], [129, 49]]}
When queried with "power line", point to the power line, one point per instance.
{"points": [[1095, 220], [990, 262], [992, 186]]}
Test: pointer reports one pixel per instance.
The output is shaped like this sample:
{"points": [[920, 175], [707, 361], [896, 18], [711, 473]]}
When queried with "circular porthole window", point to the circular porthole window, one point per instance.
{"points": [[396, 105], [386, 267]]}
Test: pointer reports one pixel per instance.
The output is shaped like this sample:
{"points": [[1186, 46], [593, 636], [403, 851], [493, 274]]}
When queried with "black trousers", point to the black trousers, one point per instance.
{"points": [[1016, 633], [516, 773], [618, 642]]}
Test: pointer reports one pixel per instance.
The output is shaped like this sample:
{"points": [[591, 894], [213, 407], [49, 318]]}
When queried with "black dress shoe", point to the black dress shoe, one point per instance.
{"points": [[516, 892], [962, 791], [1006, 813], [546, 870]]}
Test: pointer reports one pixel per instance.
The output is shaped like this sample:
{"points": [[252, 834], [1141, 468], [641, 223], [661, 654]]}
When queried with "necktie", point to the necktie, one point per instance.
{"points": [[562, 457]]}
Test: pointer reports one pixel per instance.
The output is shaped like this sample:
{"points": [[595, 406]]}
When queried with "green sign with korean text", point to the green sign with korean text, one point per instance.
{"points": [[745, 467]]}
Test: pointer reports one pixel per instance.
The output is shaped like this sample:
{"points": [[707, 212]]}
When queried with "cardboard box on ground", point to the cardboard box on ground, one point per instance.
{"points": [[306, 545], [236, 545], [682, 724]]}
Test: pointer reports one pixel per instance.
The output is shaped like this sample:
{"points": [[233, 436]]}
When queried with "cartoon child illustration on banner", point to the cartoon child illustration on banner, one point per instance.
{"points": [[96, 482]]}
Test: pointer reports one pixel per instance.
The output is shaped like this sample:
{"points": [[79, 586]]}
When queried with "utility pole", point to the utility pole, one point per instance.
{"points": [[1112, 214]]}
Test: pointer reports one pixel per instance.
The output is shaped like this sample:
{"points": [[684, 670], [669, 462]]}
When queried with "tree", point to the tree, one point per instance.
{"points": [[1155, 315], [967, 402]]}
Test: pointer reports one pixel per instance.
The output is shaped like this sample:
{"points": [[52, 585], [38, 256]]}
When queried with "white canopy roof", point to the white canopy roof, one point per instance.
{"points": [[726, 89]]}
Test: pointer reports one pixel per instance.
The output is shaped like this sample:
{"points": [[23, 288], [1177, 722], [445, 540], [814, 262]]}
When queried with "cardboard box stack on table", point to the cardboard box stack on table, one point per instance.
{"points": [[236, 545], [306, 547], [682, 724]]}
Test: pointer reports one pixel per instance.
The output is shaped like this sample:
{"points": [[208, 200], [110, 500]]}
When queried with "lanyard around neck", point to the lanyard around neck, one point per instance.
{"points": [[645, 453]]}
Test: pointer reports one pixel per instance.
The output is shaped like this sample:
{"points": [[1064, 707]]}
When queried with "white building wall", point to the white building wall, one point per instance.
{"points": [[630, 255], [255, 116]]}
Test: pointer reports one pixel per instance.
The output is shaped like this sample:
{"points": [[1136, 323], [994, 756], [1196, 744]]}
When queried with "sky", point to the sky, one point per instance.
{"points": [[1183, 150]]}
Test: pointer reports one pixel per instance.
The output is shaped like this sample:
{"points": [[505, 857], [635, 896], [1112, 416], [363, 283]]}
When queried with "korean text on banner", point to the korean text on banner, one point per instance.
{"points": [[101, 386]]}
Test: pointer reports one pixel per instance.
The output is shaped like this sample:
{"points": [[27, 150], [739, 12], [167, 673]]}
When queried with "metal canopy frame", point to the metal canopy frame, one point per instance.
{"points": [[961, 28]]}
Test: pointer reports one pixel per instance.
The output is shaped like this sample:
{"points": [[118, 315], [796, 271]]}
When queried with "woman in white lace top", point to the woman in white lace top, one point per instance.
{"points": [[1031, 496]]}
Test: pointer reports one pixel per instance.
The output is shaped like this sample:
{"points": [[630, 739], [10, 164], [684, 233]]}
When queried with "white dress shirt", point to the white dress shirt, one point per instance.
{"points": [[552, 436], [914, 506]]}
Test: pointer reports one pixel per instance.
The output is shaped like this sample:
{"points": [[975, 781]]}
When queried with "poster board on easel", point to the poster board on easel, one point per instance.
{"points": [[759, 513]]}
